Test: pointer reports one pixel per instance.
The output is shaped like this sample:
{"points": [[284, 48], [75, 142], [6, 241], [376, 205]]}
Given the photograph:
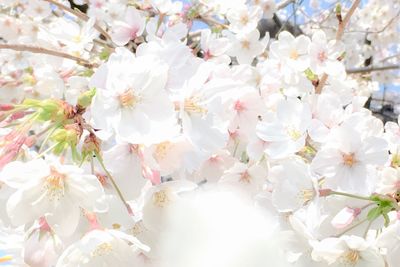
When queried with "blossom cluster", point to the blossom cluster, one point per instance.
{"points": [[129, 137]]}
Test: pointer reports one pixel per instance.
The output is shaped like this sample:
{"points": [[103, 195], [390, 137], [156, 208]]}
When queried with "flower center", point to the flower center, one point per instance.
{"points": [[39, 10], [322, 56], [55, 185], [102, 249], [128, 99], [351, 257], [245, 44], [161, 150], [161, 198], [245, 178], [349, 159], [137, 229], [77, 38], [306, 195], [293, 133], [191, 106], [239, 106], [244, 19], [267, 7], [294, 54]]}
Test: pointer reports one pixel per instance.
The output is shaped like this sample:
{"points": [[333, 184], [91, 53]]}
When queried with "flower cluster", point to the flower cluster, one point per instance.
{"points": [[131, 136]]}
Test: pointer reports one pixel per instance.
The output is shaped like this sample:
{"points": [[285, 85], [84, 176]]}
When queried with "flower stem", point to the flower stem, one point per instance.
{"points": [[100, 160], [352, 227], [349, 195]]}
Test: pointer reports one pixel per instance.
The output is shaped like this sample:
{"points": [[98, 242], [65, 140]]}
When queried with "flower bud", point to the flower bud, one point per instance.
{"points": [[50, 109], [91, 144], [85, 99], [67, 137]]}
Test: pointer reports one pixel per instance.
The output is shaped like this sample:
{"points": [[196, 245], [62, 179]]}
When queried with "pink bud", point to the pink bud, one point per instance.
{"points": [[345, 217], [6, 107], [324, 192], [152, 175]]}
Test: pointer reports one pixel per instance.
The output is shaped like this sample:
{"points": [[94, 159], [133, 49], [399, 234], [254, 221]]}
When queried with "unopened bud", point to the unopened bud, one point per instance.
{"points": [[91, 144], [50, 109], [324, 192], [67, 137], [85, 99]]}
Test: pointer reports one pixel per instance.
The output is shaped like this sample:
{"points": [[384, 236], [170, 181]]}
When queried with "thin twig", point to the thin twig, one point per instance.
{"points": [[81, 16], [339, 34], [284, 4], [42, 50], [373, 68], [119, 193], [351, 227], [212, 22], [346, 20]]}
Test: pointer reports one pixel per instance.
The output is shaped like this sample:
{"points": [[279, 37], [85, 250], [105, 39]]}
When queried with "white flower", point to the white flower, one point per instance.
{"points": [[124, 162], [347, 251], [37, 9], [57, 192], [76, 38], [287, 133], [132, 98], [131, 27], [167, 7], [243, 18], [344, 160], [214, 48], [246, 46], [160, 200], [102, 248], [293, 51], [246, 109], [249, 179], [390, 181], [324, 55], [293, 185], [268, 7], [389, 239]]}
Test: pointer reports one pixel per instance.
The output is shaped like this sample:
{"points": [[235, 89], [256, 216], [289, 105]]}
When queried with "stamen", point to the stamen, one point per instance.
{"points": [[127, 99], [54, 185], [349, 159]]}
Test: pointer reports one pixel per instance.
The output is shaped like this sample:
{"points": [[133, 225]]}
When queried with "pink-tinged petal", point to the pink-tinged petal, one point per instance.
{"points": [[122, 35], [344, 218], [152, 175]]}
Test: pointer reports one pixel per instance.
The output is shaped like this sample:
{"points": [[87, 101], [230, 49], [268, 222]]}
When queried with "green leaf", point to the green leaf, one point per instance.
{"points": [[105, 54], [387, 220], [374, 213], [310, 75]]}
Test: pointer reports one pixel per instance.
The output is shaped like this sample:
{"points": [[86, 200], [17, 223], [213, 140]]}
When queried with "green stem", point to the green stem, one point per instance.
{"points": [[100, 160], [368, 226], [47, 150], [352, 227], [46, 139], [349, 195], [83, 160]]}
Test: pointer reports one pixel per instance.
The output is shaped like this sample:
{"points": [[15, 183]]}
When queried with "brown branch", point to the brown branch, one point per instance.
{"points": [[213, 22], [284, 4], [42, 50], [339, 34], [81, 16], [373, 68], [346, 20]]}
